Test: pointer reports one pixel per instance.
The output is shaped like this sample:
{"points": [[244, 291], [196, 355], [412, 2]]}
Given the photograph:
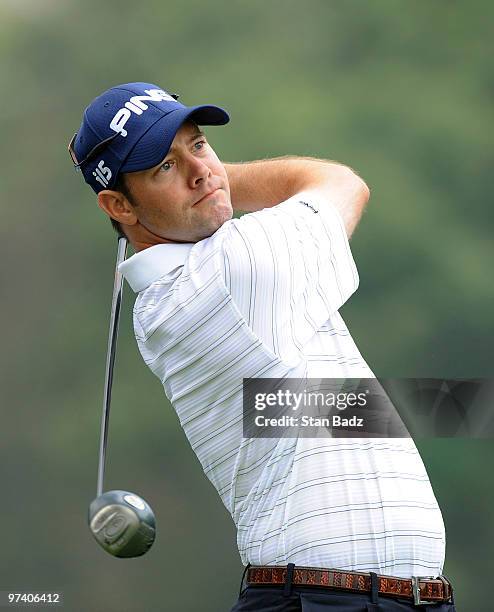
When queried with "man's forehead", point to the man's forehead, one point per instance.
{"points": [[188, 127], [185, 133]]}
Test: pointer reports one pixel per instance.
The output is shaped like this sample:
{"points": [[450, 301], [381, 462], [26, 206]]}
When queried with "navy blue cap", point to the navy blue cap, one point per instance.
{"points": [[139, 122]]}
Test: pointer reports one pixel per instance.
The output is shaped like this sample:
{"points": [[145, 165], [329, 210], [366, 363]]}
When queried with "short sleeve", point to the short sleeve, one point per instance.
{"points": [[289, 268]]}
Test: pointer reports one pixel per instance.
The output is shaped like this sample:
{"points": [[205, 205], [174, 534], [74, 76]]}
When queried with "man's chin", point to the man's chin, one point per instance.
{"points": [[224, 213], [219, 216]]}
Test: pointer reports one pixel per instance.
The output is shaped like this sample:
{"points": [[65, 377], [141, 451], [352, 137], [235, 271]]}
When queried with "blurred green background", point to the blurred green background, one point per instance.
{"points": [[402, 92]]}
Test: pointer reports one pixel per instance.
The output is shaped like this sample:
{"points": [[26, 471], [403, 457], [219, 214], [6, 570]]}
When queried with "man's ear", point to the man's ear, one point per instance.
{"points": [[116, 206]]}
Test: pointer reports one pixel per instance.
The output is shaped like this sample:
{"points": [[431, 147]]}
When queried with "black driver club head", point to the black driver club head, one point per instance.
{"points": [[122, 523]]}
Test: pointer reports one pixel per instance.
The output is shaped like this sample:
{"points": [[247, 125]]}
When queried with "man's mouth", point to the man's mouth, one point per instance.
{"points": [[204, 198]]}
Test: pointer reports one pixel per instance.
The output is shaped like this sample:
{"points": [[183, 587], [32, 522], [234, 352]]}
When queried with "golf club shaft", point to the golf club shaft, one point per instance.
{"points": [[110, 359]]}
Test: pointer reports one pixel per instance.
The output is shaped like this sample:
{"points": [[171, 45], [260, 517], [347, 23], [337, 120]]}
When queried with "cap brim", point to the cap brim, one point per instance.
{"points": [[156, 142]]}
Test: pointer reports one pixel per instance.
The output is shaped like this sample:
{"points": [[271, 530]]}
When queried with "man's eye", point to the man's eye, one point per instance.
{"points": [[166, 166], [199, 145]]}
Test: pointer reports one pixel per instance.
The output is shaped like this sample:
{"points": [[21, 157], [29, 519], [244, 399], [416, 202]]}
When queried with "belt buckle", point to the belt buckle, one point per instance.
{"points": [[416, 591]]}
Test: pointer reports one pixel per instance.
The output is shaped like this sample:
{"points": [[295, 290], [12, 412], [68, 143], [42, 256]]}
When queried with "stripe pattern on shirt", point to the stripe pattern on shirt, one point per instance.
{"points": [[260, 298]]}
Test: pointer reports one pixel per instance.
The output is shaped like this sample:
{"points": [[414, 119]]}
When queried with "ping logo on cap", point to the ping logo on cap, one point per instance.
{"points": [[102, 173], [136, 105]]}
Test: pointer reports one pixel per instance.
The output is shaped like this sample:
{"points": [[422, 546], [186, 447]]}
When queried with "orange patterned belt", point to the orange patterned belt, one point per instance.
{"points": [[420, 589]]}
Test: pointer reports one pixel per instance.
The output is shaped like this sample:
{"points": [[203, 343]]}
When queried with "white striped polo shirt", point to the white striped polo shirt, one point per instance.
{"points": [[260, 298]]}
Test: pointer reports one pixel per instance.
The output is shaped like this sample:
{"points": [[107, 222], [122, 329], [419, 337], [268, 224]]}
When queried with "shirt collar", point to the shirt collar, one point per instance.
{"points": [[147, 266]]}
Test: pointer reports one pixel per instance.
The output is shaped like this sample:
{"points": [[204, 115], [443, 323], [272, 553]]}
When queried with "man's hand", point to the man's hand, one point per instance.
{"points": [[265, 183]]}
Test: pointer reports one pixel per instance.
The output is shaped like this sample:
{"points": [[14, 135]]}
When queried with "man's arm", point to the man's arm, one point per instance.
{"points": [[265, 183]]}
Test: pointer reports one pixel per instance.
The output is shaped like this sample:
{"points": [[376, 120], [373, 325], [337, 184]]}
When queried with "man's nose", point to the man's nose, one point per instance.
{"points": [[198, 171]]}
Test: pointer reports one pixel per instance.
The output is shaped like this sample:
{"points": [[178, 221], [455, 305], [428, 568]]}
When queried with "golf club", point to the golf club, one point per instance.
{"points": [[121, 522]]}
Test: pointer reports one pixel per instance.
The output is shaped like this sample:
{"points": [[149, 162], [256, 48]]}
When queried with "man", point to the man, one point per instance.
{"points": [[223, 299]]}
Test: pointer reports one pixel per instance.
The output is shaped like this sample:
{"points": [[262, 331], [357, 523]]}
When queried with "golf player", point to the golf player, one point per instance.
{"points": [[327, 523]]}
